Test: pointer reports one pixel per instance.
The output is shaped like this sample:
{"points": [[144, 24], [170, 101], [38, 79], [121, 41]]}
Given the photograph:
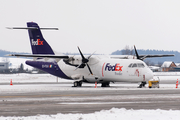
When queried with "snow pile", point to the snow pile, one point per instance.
{"points": [[112, 114], [166, 73], [26, 78]]}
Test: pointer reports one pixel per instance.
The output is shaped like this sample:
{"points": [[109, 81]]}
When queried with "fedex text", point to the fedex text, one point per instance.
{"points": [[36, 42], [115, 67]]}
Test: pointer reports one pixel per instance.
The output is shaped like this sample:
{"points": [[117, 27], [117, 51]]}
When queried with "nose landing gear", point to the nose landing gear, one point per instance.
{"points": [[142, 84]]}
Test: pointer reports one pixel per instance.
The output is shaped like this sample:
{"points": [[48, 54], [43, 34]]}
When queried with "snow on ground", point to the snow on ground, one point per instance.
{"points": [[42, 80], [24, 77], [166, 73], [112, 114], [16, 62], [167, 77]]}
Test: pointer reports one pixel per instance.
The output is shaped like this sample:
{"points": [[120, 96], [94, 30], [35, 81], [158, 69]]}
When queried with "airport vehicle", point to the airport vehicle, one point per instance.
{"points": [[81, 68], [153, 84]]}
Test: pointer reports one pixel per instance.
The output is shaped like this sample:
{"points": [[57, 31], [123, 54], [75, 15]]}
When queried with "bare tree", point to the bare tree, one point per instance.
{"points": [[149, 63], [127, 51]]}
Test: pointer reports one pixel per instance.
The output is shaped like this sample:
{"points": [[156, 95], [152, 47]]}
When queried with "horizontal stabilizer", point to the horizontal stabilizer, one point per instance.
{"points": [[39, 56], [32, 28]]}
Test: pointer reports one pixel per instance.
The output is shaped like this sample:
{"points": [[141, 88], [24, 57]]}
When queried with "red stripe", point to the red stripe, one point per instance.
{"points": [[102, 69]]}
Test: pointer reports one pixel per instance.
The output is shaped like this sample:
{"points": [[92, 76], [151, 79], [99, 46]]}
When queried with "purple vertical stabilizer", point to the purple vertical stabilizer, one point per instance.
{"points": [[38, 43]]}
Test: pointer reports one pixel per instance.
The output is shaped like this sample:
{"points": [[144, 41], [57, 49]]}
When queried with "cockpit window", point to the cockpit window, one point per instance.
{"points": [[134, 65], [130, 65], [141, 65]]}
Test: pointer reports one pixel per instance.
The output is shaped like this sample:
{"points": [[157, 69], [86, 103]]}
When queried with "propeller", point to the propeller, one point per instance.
{"points": [[84, 61], [137, 55]]}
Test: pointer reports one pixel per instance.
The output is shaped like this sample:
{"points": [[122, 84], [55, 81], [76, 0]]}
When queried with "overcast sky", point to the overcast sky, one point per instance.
{"points": [[94, 25]]}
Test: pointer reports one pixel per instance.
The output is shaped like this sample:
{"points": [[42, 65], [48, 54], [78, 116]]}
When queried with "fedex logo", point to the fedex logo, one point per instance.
{"points": [[47, 66], [115, 67], [37, 42]]}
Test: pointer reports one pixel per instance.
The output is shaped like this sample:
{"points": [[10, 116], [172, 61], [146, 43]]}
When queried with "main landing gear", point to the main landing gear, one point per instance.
{"points": [[77, 84], [142, 84], [105, 84]]}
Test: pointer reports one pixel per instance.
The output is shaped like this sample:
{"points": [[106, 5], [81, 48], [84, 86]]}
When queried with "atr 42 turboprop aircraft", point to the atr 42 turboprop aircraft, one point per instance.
{"points": [[80, 68]]}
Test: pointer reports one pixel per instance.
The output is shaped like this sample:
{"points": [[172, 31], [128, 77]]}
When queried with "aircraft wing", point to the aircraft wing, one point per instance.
{"points": [[40, 56], [151, 56], [142, 57]]}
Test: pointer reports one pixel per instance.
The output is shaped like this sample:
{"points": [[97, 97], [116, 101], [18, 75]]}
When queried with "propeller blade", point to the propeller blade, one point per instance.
{"points": [[81, 53], [84, 61], [91, 55], [89, 69], [136, 53], [82, 65]]}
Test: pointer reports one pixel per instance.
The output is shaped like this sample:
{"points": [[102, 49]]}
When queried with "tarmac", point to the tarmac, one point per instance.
{"points": [[29, 99]]}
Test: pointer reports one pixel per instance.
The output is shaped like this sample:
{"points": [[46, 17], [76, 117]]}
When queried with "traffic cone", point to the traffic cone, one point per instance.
{"points": [[11, 82], [95, 85], [177, 83]]}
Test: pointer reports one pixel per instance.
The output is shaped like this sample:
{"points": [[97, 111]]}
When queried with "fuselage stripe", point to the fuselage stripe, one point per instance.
{"points": [[103, 69]]}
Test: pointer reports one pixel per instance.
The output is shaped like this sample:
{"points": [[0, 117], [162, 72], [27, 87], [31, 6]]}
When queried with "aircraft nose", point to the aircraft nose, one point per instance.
{"points": [[148, 76]]}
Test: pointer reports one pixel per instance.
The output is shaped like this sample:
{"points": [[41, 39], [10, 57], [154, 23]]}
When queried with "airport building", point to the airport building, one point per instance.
{"points": [[167, 66], [4, 66], [170, 66]]}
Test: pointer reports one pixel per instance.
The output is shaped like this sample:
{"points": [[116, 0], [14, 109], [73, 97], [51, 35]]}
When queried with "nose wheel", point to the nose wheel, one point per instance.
{"points": [[142, 84]]}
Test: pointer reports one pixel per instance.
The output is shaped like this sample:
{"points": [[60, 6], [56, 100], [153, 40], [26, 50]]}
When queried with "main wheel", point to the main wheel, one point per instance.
{"points": [[106, 84], [77, 84]]}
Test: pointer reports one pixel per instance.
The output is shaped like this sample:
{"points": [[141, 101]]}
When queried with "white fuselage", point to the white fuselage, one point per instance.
{"points": [[108, 70]]}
